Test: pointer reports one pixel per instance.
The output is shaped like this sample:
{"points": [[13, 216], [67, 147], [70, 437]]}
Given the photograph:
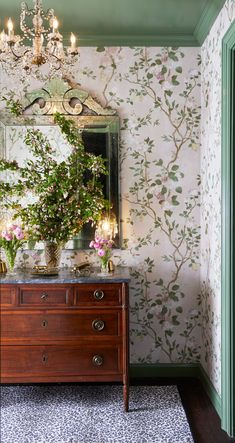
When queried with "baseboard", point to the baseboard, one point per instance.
{"points": [[163, 370], [210, 389], [174, 370]]}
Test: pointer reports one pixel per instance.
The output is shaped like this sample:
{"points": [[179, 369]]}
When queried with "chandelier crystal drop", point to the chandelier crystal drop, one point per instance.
{"points": [[40, 43]]}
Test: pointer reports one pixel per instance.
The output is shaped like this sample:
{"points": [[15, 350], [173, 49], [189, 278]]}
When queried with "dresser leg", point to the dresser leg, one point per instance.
{"points": [[126, 397]]}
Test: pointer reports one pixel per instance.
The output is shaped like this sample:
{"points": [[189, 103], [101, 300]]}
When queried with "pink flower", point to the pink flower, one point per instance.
{"points": [[91, 245], [19, 234], [101, 252], [7, 235], [160, 77], [13, 227], [97, 245]]}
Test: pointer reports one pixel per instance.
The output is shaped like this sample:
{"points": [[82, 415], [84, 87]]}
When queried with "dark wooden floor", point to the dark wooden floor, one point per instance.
{"points": [[202, 417]]}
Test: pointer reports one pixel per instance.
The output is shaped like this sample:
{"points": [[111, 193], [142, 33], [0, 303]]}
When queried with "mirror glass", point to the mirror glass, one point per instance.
{"points": [[100, 135]]}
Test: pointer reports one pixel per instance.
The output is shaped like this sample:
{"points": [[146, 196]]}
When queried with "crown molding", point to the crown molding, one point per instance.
{"points": [[208, 17], [137, 40]]}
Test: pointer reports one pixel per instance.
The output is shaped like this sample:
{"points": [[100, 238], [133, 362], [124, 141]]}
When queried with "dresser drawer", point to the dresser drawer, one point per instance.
{"points": [[7, 296], [61, 325], [33, 296], [98, 294], [35, 361]]}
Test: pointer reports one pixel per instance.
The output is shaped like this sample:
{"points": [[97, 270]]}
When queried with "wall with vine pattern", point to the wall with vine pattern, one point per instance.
{"points": [[211, 194], [156, 92]]}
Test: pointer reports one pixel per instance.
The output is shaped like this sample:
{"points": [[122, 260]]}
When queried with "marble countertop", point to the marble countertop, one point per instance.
{"points": [[66, 276]]}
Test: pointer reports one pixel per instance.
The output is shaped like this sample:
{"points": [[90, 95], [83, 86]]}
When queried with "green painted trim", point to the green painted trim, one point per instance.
{"points": [[136, 40], [228, 259], [163, 370], [210, 389], [207, 20]]}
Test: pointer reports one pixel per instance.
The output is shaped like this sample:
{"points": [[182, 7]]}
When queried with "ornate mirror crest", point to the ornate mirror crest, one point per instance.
{"points": [[61, 96]]}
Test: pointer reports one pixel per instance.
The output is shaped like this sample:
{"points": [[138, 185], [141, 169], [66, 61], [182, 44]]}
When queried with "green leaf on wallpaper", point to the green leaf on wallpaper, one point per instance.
{"points": [[158, 61], [160, 282], [172, 176], [168, 213], [179, 189], [159, 162], [175, 287], [149, 316], [149, 196], [174, 81], [164, 310], [172, 56], [173, 296], [178, 69], [175, 321], [174, 200], [164, 190], [175, 168], [164, 70], [100, 49], [179, 309], [168, 92], [149, 75]]}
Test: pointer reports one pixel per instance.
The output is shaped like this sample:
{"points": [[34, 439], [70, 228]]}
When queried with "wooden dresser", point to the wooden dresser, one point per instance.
{"points": [[65, 332]]}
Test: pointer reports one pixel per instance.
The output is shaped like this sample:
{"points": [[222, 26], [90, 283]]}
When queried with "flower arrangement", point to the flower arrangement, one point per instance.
{"points": [[103, 248], [11, 239], [66, 194]]}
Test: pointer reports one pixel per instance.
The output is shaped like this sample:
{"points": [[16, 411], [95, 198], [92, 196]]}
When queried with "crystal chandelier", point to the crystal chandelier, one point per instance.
{"points": [[45, 41]]}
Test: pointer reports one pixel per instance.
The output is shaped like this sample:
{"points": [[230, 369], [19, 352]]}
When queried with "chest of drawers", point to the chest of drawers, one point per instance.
{"points": [[70, 332]]}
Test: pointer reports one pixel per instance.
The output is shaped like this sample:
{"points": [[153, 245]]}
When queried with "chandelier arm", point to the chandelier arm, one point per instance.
{"points": [[50, 13], [18, 56]]}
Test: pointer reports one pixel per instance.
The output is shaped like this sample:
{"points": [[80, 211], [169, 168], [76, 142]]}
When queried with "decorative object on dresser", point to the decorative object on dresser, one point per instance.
{"points": [[65, 332], [11, 239], [103, 248]]}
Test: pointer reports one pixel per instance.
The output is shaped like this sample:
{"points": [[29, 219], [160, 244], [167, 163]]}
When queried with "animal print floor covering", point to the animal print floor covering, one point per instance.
{"points": [[92, 414]]}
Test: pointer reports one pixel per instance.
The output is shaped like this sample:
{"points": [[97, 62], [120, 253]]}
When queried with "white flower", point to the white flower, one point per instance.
{"points": [[195, 266]]}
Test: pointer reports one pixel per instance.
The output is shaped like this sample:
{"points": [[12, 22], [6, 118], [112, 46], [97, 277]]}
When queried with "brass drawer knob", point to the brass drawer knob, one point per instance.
{"points": [[98, 295], [98, 325], [97, 360], [44, 296], [44, 323]]}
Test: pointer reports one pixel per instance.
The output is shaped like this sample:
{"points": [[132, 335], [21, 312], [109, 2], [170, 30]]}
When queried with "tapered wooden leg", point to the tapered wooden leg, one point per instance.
{"points": [[126, 396]]}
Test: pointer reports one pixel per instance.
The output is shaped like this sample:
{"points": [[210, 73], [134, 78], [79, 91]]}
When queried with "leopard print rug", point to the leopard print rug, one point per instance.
{"points": [[92, 414]]}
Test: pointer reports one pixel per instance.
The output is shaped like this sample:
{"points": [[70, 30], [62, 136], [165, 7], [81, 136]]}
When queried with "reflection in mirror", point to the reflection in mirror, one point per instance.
{"points": [[100, 134]]}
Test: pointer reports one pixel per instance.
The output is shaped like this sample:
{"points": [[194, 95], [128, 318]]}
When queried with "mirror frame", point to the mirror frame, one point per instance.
{"points": [[58, 96]]}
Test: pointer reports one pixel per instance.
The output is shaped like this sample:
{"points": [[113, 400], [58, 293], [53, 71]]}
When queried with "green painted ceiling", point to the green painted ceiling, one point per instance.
{"points": [[128, 22]]}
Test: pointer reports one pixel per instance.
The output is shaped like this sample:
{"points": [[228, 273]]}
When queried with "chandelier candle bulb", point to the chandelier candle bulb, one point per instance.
{"points": [[55, 25], [73, 42], [10, 28]]}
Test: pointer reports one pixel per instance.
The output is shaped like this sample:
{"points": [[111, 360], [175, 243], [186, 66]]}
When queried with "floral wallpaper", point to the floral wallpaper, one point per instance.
{"points": [[211, 195], [156, 92]]}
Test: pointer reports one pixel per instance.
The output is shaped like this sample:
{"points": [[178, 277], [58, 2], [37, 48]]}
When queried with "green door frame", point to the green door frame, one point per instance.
{"points": [[228, 237]]}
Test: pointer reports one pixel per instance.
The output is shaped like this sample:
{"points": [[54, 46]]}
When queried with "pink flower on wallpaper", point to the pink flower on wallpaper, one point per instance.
{"points": [[160, 76]]}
